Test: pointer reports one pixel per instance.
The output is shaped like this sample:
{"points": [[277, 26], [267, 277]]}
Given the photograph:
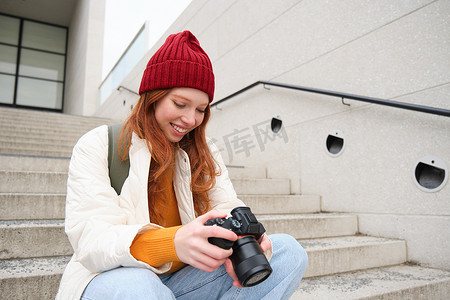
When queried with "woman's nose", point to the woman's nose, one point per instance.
{"points": [[188, 118]]}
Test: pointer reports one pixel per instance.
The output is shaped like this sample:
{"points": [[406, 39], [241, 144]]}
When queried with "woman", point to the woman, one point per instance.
{"points": [[150, 241]]}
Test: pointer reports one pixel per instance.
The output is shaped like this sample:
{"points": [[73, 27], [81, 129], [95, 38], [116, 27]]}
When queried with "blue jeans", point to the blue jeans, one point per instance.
{"points": [[288, 263]]}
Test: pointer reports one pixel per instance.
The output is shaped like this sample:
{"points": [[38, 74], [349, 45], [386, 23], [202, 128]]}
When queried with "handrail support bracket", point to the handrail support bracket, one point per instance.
{"points": [[342, 100]]}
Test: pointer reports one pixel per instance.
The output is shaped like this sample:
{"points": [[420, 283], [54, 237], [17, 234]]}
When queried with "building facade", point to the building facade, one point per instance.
{"points": [[51, 54], [392, 166]]}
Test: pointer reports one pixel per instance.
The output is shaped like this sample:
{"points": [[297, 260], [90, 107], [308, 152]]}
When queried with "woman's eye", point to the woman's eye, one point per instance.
{"points": [[178, 105], [201, 111]]}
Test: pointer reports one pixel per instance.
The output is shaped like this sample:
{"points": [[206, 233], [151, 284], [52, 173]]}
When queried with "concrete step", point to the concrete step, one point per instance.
{"points": [[15, 162], [261, 186], [44, 123], [55, 182], [44, 139], [50, 130], [23, 238], [43, 116], [32, 206], [31, 279], [41, 134], [309, 226], [393, 283], [33, 238], [62, 146], [22, 206], [349, 253], [282, 204], [36, 152], [33, 182], [240, 172], [49, 117]]}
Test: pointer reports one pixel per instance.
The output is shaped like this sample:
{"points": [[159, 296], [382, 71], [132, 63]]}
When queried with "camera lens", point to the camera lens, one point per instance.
{"points": [[249, 262]]}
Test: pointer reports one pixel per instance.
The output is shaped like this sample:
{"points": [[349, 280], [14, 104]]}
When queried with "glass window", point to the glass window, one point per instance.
{"points": [[44, 37], [41, 65], [126, 63], [39, 93], [9, 30], [7, 83], [32, 63], [8, 58]]}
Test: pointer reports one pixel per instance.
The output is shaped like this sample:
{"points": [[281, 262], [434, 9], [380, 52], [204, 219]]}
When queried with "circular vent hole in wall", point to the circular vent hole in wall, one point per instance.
{"points": [[335, 142], [430, 174]]}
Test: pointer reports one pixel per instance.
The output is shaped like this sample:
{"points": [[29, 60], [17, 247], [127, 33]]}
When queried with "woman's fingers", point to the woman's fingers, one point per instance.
{"points": [[210, 250], [230, 270], [212, 214], [265, 243], [219, 232], [192, 245], [206, 263]]}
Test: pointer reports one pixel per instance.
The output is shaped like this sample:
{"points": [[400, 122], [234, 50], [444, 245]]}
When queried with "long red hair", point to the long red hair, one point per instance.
{"points": [[142, 121]]}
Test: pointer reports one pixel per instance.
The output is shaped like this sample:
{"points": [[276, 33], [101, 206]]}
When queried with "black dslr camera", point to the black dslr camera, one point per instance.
{"points": [[249, 262]]}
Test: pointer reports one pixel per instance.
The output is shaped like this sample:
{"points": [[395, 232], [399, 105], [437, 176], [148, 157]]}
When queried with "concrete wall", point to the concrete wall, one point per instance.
{"points": [[387, 49], [84, 58]]}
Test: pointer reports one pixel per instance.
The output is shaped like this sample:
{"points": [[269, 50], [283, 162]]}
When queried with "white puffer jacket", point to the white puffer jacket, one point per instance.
{"points": [[101, 225]]}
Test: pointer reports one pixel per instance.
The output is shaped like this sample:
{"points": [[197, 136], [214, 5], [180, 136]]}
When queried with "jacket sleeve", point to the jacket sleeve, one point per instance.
{"points": [[96, 219], [223, 195]]}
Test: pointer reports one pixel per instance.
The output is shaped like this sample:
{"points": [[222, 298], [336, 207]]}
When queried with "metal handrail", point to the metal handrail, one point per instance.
{"points": [[402, 105]]}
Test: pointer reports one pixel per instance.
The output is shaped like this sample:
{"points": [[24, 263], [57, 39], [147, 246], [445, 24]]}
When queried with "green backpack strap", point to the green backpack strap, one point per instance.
{"points": [[118, 169]]}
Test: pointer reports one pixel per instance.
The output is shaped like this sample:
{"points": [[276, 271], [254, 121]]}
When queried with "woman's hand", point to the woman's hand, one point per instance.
{"points": [[192, 246], [232, 273], [264, 243]]}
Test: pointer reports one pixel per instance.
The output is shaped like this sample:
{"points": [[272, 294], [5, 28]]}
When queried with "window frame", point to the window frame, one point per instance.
{"points": [[17, 75]]}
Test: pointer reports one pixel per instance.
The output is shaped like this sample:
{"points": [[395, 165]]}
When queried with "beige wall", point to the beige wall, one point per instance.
{"points": [[84, 58], [388, 49]]}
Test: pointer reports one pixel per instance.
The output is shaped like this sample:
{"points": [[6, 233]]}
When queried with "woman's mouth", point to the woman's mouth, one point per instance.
{"points": [[179, 129]]}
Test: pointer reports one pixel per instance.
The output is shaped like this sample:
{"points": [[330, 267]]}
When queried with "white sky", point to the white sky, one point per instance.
{"points": [[123, 19]]}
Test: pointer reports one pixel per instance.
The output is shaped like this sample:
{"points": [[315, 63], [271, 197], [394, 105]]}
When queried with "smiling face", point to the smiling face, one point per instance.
{"points": [[181, 111]]}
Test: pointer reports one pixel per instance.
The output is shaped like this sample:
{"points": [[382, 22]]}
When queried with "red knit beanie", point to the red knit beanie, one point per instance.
{"points": [[179, 62]]}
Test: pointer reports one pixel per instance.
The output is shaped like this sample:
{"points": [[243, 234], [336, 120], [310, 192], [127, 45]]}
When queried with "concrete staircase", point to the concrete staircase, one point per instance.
{"points": [[343, 264], [34, 154], [35, 149]]}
